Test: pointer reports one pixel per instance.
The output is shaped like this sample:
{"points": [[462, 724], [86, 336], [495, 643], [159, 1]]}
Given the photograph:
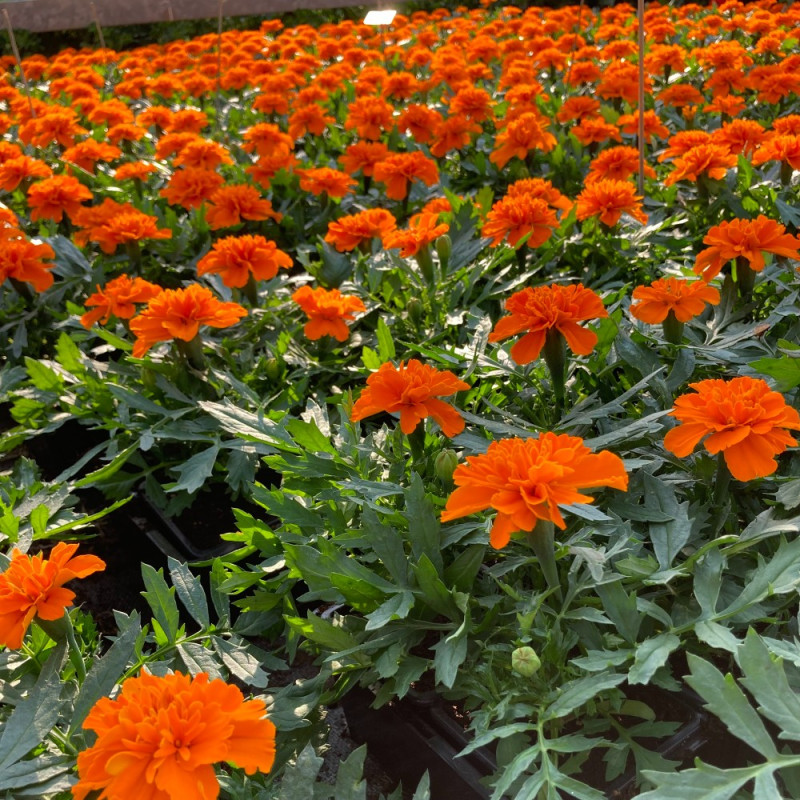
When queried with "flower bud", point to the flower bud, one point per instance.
{"points": [[525, 662], [445, 464], [415, 310], [273, 369], [444, 246]]}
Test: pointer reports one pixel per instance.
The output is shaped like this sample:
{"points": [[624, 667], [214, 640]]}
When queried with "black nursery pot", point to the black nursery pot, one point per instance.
{"points": [[420, 732]]}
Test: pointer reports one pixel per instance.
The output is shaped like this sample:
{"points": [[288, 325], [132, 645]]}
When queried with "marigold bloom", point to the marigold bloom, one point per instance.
{"points": [[362, 157], [577, 108], [705, 159], [87, 153], [783, 147], [685, 299], [516, 216], [746, 420], [202, 153], [523, 134], [535, 311], [191, 187], [309, 119], [740, 136], [413, 390], [178, 314], [33, 586], [328, 311], [653, 126], [453, 133], [229, 205], [13, 171], [136, 170], [541, 188], [607, 200], [617, 164], [420, 121], [423, 229], [56, 196], [748, 238], [129, 226], [472, 102], [347, 233], [526, 480], [398, 169], [595, 130], [24, 261], [370, 116], [267, 140], [237, 257], [324, 180], [118, 298], [160, 737]]}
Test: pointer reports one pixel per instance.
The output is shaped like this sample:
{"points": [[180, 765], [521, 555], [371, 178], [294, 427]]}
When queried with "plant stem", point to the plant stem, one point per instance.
{"points": [[673, 329], [192, 352], [542, 542], [75, 655], [555, 356], [722, 482]]}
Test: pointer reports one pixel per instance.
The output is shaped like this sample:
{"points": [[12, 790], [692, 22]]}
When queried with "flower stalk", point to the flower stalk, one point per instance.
{"points": [[192, 352], [555, 356], [542, 542]]}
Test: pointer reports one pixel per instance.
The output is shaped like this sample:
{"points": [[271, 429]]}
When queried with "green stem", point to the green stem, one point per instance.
{"points": [[722, 483], [75, 655], [542, 542], [673, 328], [745, 278], [192, 352], [555, 356], [416, 441], [134, 256], [250, 290]]}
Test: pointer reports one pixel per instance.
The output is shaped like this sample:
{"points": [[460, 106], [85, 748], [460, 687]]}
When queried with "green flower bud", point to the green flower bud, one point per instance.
{"points": [[273, 369], [415, 310], [525, 662], [444, 246], [445, 464]]}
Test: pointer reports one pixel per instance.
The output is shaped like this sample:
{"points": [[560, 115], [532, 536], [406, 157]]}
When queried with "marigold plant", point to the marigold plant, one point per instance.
{"points": [[236, 258], [328, 311], [118, 298]]}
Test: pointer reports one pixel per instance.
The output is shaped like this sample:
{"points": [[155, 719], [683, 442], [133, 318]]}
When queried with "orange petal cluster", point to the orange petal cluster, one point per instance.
{"points": [[608, 199], [685, 299], [347, 233], [747, 238], [413, 390], [160, 737], [328, 311], [518, 215], [26, 261], [118, 298], [235, 258], [129, 226], [229, 205], [33, 586], [397, 170], [535, 311], [526, 480], [178, 314], [742, 418], [422, 229]]}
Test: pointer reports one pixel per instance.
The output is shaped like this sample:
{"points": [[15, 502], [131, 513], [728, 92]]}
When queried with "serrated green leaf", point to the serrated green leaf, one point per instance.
{"points": [[190, 591], [717, 636], [194, 472], [161, 599], [423, 791], [728, 702], [784, 370], [788, 494], [309, 436], [350, 784], [423, 524], [703, 783], [39, 517], [651, 655], [621, 609], [574, 694], [668, 537], [370, 358], [26, 778], [42, 376], [200, 659], [396, 607], [433, 591], [240, 662], [708, 580], [386, 350], [297, 782]]}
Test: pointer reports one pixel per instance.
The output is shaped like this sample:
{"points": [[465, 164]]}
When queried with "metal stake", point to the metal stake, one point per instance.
{"points": [[15, 50], [97, 25], [640, 133]]}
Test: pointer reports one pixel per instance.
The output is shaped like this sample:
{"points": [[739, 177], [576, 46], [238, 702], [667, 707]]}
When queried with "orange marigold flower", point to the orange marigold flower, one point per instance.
{"points": [[126, 132], [328, 311], [685, 299], [420, 121], [87, 153], [653, 126], [160, 737], [681, 94], [24, 261], [541, 188], [129, 226], [13, 171], [200, 153], [33, 586], [740, 136], [191, 187], [118, 298], [363, 156], [608, 199], [746, 420], [229, 205], [526, 480], [413, 390], [178, 314], [187, 120], [577, 108], [324, 180], [56, 196], [398, 169], [523, 134], [347, 233], [309, 119], [705, 159], [237, 257], [453, 133], [783, 147], [423, 229], [473, 102], [747, 238], [135, 170], [726, 104], [594, 130], [535, 311], [516, 216], [617, 164], [267, 139], [370, 116]]}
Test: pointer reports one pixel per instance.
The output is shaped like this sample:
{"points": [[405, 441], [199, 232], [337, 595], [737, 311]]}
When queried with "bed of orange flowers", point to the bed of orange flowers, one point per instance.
{"points": [[430, 277]]}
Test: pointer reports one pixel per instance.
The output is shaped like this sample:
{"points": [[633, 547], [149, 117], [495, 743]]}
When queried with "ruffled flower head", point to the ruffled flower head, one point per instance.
{"points": [[328, 311]]}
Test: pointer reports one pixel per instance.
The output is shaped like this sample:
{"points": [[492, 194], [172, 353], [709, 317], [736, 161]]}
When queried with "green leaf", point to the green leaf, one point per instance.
{"points": [[788, 494], [386, 350], [359, 593], [309, 436], [220, 600], [370, 358], [423, 791], [433, 591], [621, 609], [387, 544], [728, 702], [703, 783], [708, 580], [396, 607], [651, 655], [190, 591], [423, 524], [68, 354], [200, 659], [450, 654], [33, 718], [42, 376], [350, 784], [242, 664], [784, 370], [571, 696], [324, 633], [766, 680], [297, 781], [196, 471], [717, 636], [668, 537], [462, 572], [161, 599], [37, 777], [39, 517], [105, 672]]}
